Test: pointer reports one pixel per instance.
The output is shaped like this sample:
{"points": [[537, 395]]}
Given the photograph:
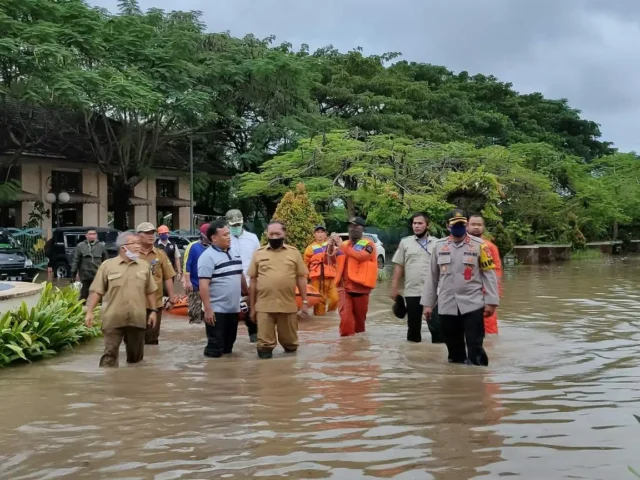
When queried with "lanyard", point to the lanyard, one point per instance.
{"points": [[424, 246]]}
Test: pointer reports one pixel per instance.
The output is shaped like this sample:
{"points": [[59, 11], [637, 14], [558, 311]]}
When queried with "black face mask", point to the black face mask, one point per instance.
{"points": [[421, 235], [276, 243]]}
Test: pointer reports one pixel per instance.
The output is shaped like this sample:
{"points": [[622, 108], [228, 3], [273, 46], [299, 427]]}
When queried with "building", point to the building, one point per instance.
{"points": [[51, 167]]}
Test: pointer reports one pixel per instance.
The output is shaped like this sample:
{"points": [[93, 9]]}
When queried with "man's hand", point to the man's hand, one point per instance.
{"points": [[186, 285], [171, 301], [489, 310], [77, 278], [304, 310], [209, 316], [394, 293], [252, 315], [427, 312], [337, 240], [151, 321], [88, 318], [179, 276]]}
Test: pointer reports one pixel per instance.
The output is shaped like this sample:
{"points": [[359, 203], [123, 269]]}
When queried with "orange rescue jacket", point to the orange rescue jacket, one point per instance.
{"points": [[319, 263], [360, 262]]}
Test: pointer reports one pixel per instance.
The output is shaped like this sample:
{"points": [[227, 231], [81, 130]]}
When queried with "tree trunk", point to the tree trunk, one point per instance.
{"points": [[615, 230], [351, 208], [121, 196]]}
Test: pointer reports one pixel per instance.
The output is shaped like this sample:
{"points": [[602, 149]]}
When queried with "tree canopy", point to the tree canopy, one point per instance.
{"points": [[375, 135]]}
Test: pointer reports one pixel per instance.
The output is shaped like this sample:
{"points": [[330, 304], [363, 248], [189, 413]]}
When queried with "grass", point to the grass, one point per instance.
{"points": [[587, 254]]}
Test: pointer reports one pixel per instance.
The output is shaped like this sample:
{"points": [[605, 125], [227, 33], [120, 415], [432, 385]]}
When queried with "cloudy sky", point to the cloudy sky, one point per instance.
{"points": [[583, 50]]}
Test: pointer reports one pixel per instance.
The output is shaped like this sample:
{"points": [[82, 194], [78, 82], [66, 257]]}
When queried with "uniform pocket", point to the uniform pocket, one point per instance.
{"points": [[444, 263], [115, 279]]}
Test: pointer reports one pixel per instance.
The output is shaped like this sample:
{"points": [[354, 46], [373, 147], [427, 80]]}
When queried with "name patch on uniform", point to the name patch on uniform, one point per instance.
{"points": [[444, 253]]}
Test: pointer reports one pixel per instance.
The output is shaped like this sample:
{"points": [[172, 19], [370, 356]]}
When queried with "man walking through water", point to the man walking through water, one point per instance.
{"points": [[190, 281], [275, 272], [413, 260], [90, 254], [162, 273], [476, 228], [356, 274], [222, 284], [463, 281], [322, 271], [129, 308], [245, 244]]}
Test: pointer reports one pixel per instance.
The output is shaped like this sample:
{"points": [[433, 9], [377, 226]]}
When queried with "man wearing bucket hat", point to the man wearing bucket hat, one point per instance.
{"points": [[463, 282], [244, 243]]}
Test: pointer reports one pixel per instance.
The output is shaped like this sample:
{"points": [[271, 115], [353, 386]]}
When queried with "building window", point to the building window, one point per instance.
{"points": [[166, 188]]}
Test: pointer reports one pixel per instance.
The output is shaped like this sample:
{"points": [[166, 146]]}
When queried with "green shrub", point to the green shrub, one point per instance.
{"points": [[55, 323]]}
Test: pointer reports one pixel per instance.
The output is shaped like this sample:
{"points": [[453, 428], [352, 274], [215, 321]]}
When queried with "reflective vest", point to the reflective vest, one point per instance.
{"points": [[169, 249], [363, 272], [319, 264]]}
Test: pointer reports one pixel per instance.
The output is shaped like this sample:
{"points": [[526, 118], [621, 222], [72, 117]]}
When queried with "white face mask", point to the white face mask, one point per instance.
{"points": [[130, 255]]}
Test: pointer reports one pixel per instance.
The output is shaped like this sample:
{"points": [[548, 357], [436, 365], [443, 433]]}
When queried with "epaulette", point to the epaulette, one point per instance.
{"points": [[445, 239], [476, 239]]}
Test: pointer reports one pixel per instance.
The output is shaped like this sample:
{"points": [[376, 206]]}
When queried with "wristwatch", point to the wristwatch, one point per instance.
{"points": [[152, 310], [304, 302]]}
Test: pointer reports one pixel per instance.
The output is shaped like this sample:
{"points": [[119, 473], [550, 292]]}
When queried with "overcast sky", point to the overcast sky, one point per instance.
{"points": [[584, 50]]}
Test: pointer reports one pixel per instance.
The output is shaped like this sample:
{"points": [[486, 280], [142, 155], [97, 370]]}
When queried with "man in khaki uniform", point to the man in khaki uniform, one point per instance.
{"points": [[462, 279], [129, 291], [275, 271], [412, 260], [162, 271]]}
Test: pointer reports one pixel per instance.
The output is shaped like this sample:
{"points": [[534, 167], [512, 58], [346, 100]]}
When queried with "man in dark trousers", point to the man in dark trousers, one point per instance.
{"points": [[90, 254], [412, 260], [463, 281], [222, 284]]}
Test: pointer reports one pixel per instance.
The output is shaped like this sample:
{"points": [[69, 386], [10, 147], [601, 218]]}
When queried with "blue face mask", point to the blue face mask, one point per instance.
{"points": [[458, 230], [164, 236]]}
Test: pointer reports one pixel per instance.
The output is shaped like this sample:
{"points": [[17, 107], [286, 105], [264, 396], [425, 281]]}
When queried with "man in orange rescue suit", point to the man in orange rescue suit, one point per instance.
{"points": [[476, 228], [322, 271], [462, 280], [356, 274]]}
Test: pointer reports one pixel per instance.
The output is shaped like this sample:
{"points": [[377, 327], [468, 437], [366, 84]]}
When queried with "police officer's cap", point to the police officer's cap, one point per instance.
{"points": [[456, 216]]}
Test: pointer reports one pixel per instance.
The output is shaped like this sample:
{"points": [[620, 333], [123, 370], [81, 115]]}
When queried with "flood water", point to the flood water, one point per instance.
{"points": [[557, 401]]}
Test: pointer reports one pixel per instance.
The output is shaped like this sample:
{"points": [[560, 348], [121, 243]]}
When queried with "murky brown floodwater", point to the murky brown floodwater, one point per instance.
{"points": [[556, 402]]}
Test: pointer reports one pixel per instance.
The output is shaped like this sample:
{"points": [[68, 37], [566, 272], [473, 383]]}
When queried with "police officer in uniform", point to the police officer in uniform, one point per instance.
{"points": [[463, 282]]}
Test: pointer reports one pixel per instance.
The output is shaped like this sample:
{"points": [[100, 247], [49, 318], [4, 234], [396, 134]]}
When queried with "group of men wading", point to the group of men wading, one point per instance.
{"points": [[452, 284]]}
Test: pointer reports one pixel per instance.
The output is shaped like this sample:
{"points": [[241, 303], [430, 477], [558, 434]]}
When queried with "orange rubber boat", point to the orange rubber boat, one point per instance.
{"points": [[181, 306]]}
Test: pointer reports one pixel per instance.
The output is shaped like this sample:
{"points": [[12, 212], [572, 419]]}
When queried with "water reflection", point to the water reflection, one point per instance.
{"points": [[557, 401]]}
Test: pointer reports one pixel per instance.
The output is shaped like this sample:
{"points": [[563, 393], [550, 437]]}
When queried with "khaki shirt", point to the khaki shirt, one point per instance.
{"points": [[125, 286], [461, 277], [161, 269], [277, 272], [415, 258]]}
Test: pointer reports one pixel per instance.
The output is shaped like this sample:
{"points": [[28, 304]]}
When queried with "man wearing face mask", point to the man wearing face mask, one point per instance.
{"points": [[170, 248], [190, 280], [412, 260], [129, 306], [90, 254], [463, 282], [275, 272], [245, 243], [356, 275]]}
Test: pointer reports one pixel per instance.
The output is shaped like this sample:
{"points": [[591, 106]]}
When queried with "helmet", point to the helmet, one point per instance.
{"points": [[163, 229], [234, 218]]}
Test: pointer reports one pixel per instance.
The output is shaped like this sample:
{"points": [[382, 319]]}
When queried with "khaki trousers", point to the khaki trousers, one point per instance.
{"points": [[133, 340], [286, 326]]}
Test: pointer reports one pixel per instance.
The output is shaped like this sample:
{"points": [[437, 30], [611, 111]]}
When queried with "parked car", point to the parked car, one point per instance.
{"points": [[62, 246], [382, 255], [182, 241], [15, 266]]}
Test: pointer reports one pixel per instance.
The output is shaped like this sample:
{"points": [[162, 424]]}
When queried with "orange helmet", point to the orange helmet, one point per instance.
{"points": [[163, 229]]}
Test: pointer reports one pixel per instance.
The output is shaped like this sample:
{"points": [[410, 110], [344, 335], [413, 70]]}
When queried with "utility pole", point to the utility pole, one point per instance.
{"points": [[191, 185]]}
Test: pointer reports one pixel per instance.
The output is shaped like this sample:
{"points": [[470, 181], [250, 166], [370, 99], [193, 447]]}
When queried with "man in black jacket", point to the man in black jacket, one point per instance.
{"points": [[90, 254]]}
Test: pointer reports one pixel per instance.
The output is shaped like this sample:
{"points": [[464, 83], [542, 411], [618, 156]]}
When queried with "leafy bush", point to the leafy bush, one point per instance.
{"points": [[55, 323], [299, 215]]}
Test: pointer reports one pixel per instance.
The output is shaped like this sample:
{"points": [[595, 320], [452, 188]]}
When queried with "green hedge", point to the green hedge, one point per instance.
{"points": [[54, 324]]}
